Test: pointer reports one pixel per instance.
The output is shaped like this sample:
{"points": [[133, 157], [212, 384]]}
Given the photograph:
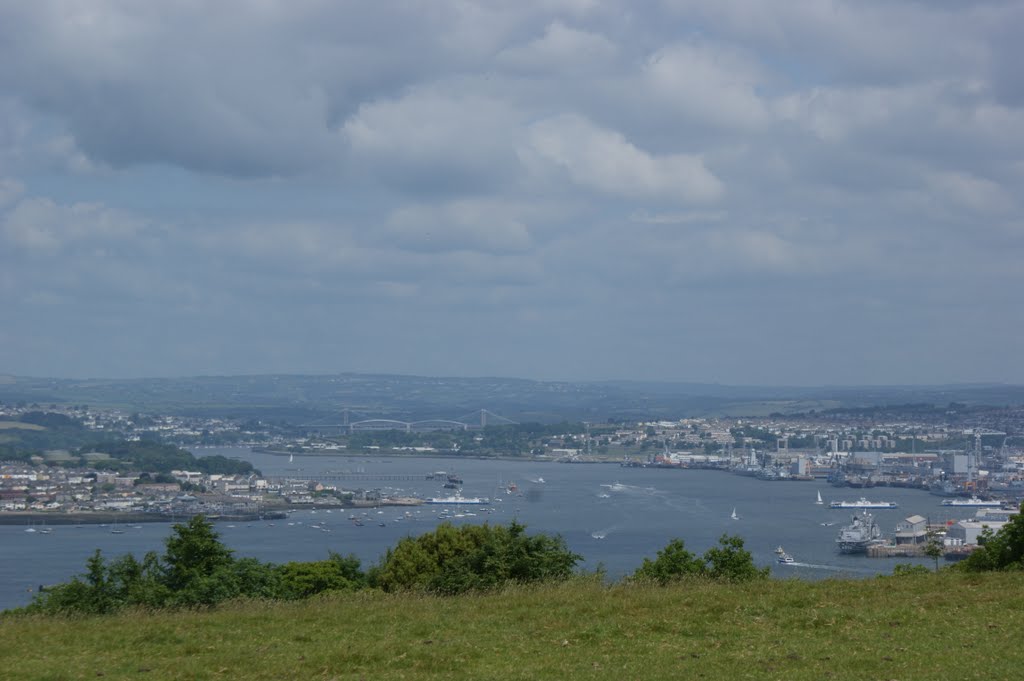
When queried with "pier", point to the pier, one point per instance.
{"points": [[354, 477], [896, 550]]}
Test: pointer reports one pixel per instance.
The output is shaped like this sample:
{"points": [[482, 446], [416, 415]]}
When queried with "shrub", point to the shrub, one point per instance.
{"points": [[728, 561], [453, 560]]}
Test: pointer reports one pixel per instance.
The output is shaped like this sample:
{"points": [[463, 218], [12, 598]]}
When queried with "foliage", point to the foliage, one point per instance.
{"points": [[195, 570], [728, 561], [155, 457], [1003, 550], [57, 431], [910, 569], [933, 548], [453, 560], [673, 562], [194, 552], [835, 629], [337, 573], [51, 420]]}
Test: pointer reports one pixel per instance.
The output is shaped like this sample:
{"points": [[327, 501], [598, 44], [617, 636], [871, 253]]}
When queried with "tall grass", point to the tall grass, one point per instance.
{"points": [[945, 626]]}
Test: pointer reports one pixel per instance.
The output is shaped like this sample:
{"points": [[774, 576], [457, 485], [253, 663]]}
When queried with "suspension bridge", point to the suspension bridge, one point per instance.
{"points": [[474, 420]]}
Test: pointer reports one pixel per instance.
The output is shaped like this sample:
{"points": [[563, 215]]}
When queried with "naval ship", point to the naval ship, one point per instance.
{"points": [[858, 535]]}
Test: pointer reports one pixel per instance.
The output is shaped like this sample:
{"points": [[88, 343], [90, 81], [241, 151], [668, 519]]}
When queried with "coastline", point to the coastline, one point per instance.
{"points": [[448, 454]]}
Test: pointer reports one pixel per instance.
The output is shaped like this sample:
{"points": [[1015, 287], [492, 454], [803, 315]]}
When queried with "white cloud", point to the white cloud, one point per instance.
{"points": [[604, 160], [977, 194], [10, 189], [561, 48], [41, 224], [430, 138], [710, 84], [834, 114], [458, 225], [346, 166]]}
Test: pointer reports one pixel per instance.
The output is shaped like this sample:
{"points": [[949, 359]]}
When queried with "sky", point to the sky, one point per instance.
{"points": [[806, 192]]}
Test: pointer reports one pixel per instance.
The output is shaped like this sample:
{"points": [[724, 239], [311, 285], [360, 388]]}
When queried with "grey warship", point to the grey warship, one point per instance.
{"points": [[859, 534]]}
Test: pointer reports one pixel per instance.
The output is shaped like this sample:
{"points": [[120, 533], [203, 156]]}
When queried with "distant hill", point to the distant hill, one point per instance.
{"points": [[305, 397]]}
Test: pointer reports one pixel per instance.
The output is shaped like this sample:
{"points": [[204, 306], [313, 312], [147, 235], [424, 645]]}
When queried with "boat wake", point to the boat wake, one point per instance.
{"points": [[630, 489], [601, 534], [832, 568]]}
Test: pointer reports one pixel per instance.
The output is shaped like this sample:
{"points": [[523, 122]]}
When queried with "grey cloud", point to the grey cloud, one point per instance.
{"points": [[683, 185]]}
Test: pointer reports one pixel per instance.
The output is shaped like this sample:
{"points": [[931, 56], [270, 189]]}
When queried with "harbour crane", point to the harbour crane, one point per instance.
{"points": [[978, 433]]}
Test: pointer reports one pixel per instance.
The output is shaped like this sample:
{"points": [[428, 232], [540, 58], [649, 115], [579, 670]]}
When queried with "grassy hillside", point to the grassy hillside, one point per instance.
{"points": [[946, 626]]}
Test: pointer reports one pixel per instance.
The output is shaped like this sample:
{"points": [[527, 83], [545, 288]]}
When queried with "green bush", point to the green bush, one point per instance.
{"points": [[728, 561], [453, 560], [1003, 550]]}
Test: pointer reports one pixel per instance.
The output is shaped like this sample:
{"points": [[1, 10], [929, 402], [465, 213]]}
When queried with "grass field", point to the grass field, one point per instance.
{"points": [[945, 626], [18, 425]]}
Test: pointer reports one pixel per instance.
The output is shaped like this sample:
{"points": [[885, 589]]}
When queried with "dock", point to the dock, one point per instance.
{"points": [[895, 550]]}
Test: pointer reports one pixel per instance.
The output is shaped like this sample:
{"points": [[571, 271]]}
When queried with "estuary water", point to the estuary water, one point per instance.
{"points": [[613, 516]]}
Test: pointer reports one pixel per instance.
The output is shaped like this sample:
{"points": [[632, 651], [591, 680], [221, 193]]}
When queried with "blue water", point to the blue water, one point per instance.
{"points": [[636, 511]]}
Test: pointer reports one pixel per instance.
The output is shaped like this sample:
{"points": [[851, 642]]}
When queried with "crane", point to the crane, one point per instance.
{"points": [[977, 433]]}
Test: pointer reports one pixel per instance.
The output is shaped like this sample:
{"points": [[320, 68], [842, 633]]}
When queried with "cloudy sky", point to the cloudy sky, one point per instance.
{"points": [[737, 191]]}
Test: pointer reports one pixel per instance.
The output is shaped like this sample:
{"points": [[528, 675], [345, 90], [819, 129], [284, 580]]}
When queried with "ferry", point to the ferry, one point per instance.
{"points": [[863, 503], [459, 500], [973, 501]]}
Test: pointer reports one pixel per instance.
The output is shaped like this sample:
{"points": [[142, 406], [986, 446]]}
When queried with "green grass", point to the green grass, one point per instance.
{"points": [[946, 626], [18, 425]]}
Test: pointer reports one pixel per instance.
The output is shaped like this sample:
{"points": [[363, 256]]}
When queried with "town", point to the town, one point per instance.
{"points": [[972, 455]]}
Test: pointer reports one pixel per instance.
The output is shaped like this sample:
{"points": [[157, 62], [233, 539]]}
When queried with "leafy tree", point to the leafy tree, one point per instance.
{"points": [[933, 548], [337, 573], [194, 552], [673, 562], [730, 561], [453, 560]]}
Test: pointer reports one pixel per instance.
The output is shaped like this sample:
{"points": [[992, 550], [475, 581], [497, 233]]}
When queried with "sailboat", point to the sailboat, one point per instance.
{"points": [[115, 529], [819, 501], [291, 458], [734, 516]]}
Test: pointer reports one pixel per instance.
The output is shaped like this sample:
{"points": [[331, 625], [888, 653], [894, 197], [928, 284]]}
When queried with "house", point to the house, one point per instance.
{"points": [[913, 530]]}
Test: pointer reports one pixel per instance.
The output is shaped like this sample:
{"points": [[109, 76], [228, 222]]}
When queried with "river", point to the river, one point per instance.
{"points": [[613, 516]]}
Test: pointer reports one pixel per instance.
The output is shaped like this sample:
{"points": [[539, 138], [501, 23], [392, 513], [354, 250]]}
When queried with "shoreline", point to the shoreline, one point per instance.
{"points": [[101, 518], [400, 454]]}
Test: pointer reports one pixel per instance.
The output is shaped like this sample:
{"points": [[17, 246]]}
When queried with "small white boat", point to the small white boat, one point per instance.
{"points": [[819, 501], [785, 558], [734, 516], [780, 551]]}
